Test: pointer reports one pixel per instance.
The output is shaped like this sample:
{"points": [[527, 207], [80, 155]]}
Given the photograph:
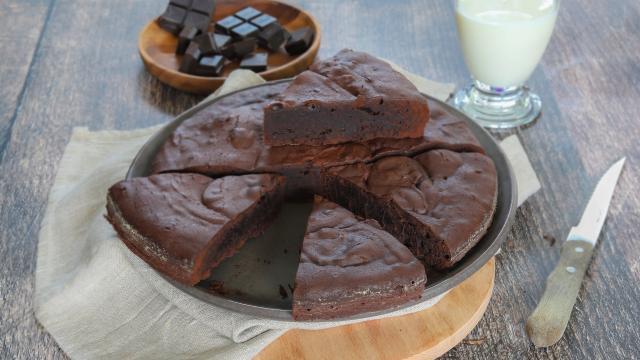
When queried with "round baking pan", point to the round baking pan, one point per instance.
{"points": [[258, 279]]}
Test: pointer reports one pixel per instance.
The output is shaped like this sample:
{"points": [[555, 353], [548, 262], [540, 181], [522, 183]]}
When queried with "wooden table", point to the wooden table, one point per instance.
{"points": [[71, 63]]}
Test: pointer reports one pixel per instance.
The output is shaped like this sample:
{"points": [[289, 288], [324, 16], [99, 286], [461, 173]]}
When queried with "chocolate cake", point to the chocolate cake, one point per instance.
{"points": [[352, 96], [439, 203], [349, 265], [185, 224], [226, 138]]}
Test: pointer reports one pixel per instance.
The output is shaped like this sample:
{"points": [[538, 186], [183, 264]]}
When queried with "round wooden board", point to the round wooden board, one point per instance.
{"points": [[423, 335], [157, 48]]}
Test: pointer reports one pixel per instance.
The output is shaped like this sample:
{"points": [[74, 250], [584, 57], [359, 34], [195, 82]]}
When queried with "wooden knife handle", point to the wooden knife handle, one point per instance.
{"points": [[549, 320]]}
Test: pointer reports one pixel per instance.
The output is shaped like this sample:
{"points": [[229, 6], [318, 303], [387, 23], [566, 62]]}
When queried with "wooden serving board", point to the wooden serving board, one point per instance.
{"points": [[423, 335], [157, 48]]}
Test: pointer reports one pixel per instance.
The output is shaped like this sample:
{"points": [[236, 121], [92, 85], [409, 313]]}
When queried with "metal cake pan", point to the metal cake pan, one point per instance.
{"points": [[258, 279]]}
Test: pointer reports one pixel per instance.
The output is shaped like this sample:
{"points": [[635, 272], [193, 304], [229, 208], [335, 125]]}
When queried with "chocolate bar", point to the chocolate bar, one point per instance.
{"points": [[247, 13], [299, 41], [256, 62], [244, 31], [180, 13], [239, 49], [225, 25], [210, 66], [272, 37], [212, 43], [263, 21], [191, 58], [187, 35]]}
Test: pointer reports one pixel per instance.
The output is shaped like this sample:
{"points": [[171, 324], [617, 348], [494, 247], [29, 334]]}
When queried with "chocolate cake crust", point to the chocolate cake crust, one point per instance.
{"points": [[349, 266], [349, 97], [185, 224]]}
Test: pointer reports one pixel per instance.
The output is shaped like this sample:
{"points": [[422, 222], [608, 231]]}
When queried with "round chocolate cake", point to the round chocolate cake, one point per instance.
{"points": [[384, 208]]}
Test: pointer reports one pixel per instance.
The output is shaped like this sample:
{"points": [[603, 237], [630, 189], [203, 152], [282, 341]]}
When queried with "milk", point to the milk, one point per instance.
{"points": [[503, 40]]}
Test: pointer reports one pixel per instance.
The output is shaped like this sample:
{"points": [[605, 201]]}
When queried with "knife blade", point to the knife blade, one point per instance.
{"points": [[548, 321]]}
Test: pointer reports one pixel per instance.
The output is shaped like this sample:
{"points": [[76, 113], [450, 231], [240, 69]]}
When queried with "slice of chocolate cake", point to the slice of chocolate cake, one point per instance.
{"points": [[352, 96], [350, 266], [226, 138], [186, 224], [439, 203]]}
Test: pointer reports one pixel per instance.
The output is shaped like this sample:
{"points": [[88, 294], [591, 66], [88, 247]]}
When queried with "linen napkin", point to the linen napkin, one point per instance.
{"points": [[99, 301]]}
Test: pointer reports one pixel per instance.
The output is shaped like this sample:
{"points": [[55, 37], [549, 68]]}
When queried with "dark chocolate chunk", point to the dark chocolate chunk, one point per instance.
{"points": [[255, 62], [211, 43], [187, 35], [225, 25], [299, 41], [244, 31], [239, 49], [272, 37], [248, 13], [263, 21], [191, 58], [180, 13], [210, 66], [172, 19]]}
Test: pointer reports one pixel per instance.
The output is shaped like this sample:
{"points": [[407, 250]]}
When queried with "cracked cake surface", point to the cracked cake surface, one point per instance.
{"points": [[350, 265]]}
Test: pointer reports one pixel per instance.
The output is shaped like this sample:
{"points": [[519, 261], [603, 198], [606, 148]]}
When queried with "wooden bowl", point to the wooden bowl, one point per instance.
{"points": [[157, 48]]}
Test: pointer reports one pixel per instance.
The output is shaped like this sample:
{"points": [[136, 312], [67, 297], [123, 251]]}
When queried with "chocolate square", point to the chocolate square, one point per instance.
{"points": [[247, 13], [272, 37], [210, 66], [263, 21], [256, 62], [187, 35], [299, 41], [239, 49], [211, 43], [198, 20], [172, 19], [244, 31], [196, 13], [191, 58], [225, 25]]}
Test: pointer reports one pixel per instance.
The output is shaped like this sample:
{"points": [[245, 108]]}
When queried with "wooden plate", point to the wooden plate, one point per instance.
{"points": [[423, 335], [157, 48]]}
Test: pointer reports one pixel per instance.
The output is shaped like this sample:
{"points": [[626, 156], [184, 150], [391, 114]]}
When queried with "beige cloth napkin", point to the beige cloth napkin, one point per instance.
{"points": [[98, 300]]}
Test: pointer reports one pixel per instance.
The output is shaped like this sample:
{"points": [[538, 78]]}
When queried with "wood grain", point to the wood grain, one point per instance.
{"points": [[425, 335], [86, 72], [157, 48]]}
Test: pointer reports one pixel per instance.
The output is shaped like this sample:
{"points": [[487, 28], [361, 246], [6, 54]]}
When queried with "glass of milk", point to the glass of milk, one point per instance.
{"points": [[502, 42]]}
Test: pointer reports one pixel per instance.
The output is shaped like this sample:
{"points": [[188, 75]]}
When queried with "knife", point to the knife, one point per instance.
{"points": [[548, 321]]}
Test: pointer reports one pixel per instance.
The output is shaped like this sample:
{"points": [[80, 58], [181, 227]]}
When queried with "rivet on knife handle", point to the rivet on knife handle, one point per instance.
{"points": [[549, 320]]}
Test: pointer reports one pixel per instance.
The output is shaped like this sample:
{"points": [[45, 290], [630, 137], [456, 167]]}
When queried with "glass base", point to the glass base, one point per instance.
{"points": [[498, 108]]}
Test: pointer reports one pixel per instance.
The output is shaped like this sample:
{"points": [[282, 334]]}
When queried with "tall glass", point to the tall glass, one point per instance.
{"points": [[502, 42]]}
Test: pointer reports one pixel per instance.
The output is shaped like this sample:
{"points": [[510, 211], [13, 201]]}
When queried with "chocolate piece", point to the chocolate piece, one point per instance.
{"points": [[225, 25], [236, 146], [350, 266], [439, 203], [180, 13], [187, 35], [299, 41], [244, 31], [190, 58], [210, 66], [272, 37], [255, 62], [239, 49], [211, 43], [183, 225], [247, 13], [352, 96], [263, 21]]}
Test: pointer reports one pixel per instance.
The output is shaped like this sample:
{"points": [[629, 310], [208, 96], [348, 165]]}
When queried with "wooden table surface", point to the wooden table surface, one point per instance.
{"points": [[67, 63]]}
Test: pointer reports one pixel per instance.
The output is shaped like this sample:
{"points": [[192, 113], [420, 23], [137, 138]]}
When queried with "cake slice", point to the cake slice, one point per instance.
{"points": [[184, 225], [352, 96], [439, 203], [350, 266]]}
